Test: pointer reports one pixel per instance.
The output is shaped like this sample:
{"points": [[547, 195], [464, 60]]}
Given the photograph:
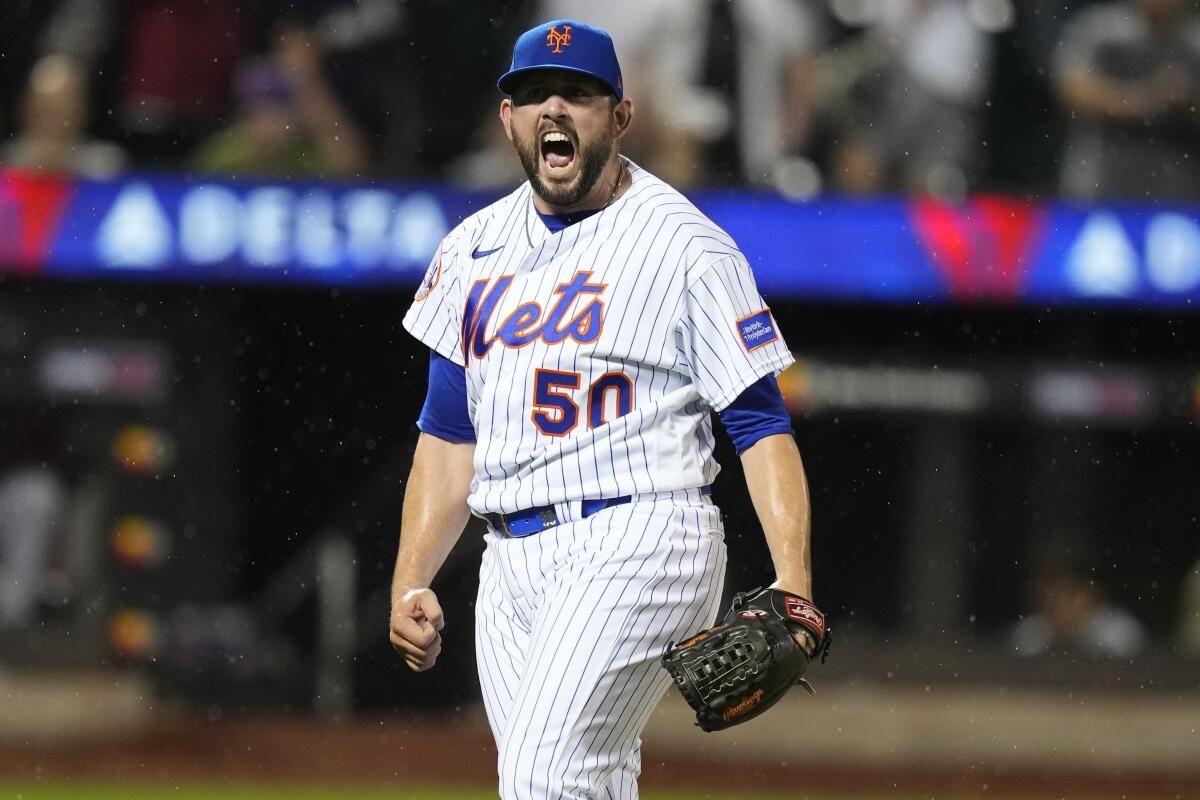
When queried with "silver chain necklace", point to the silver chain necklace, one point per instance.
{"points": [[616, 187]]}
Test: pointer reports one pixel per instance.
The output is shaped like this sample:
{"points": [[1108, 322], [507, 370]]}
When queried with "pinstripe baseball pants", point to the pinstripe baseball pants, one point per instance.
{"points": [[570, 625]]}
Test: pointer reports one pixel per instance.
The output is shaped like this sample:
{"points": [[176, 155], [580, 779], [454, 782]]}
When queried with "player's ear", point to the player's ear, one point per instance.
{"points": [[506, 116], [622, 117]]}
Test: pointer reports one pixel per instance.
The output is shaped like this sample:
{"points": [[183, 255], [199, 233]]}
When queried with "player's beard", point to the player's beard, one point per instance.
{"points": [[592, 159]]}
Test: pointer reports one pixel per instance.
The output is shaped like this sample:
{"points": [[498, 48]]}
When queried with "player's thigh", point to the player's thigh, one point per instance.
{"points": [[593, 674], [501, 639]]}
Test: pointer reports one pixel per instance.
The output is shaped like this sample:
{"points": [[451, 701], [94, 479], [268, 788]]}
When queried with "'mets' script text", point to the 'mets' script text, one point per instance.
{"points": [[528, 322]]}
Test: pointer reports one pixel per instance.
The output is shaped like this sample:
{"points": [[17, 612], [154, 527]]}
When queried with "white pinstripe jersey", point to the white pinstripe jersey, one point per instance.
{"points": [[594, 357]]}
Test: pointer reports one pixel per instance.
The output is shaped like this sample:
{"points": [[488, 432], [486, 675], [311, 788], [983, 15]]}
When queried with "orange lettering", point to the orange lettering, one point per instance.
{"points": [[744, 706]]}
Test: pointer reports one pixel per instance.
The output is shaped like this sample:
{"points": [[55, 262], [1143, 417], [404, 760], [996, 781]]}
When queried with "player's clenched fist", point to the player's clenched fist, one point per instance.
{"points": [[416, 622]]}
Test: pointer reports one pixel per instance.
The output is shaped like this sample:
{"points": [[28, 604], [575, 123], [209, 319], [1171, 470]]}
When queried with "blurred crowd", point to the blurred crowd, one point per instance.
{"points": [[1088, 99]]}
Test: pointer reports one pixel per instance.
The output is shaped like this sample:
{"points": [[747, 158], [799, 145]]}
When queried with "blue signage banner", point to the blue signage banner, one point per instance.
{"points": [[254, 233], [988, 249]]}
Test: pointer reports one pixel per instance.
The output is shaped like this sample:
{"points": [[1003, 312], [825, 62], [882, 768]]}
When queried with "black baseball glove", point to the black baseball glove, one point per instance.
{"points": [[739, 668]]}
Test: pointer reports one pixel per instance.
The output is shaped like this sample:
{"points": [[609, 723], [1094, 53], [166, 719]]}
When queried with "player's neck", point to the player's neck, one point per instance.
{"points": [[614, 180]]}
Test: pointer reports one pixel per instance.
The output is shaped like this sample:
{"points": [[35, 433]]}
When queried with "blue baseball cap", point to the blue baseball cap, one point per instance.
{"points": [[567, 45]]}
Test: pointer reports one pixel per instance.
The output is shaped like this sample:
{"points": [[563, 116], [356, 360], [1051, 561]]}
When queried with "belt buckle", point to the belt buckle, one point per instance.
{"points": [[507, 531]]}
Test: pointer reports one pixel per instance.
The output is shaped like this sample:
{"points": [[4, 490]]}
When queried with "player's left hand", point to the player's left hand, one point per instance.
{"points": [[739, 668], [416, 628], [806, 639]]}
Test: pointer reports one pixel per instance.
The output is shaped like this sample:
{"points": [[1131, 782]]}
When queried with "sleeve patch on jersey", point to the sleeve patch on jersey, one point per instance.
{"points": [[432, 276], [757, 329]]}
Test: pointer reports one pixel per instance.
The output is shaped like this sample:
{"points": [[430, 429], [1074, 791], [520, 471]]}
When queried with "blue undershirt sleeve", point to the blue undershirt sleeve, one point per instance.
{"points": [[757, 412], [445, 412]]}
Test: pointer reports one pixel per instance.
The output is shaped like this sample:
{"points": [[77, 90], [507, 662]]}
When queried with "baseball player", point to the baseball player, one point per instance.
{"points": [[581, 330]]}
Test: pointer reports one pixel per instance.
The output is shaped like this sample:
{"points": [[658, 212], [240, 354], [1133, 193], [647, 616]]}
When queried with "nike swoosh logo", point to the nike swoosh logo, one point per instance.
{"points": [[477, 253]]}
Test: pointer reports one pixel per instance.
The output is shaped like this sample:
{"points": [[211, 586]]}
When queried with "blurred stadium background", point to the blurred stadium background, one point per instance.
{"points": [[976, 220]]}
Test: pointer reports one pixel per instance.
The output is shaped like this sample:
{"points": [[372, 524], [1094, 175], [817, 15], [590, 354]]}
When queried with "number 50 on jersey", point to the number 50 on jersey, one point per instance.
{"points": [[555, 413]]}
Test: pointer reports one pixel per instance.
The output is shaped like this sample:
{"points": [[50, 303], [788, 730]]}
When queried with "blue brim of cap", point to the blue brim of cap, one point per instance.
{"points": [[506, 80]]}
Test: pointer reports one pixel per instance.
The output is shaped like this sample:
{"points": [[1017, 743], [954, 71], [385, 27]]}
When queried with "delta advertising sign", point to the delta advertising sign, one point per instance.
{"points": [[988, 249], [224, 232]]}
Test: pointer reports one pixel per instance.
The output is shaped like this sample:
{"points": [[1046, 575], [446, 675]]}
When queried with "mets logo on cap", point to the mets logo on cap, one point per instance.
{"points": [[558, 40], [565, 44]]}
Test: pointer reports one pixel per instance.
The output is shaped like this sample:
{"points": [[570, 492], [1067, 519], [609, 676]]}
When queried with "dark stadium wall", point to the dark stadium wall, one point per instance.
{"points": [[294, 411]]}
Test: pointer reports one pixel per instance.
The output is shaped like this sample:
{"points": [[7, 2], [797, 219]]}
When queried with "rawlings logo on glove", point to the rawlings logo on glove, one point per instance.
{"points": [[738, 669]]}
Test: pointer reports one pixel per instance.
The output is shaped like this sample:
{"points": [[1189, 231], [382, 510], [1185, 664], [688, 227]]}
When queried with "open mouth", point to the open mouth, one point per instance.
{"points": [[557, 150]]}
